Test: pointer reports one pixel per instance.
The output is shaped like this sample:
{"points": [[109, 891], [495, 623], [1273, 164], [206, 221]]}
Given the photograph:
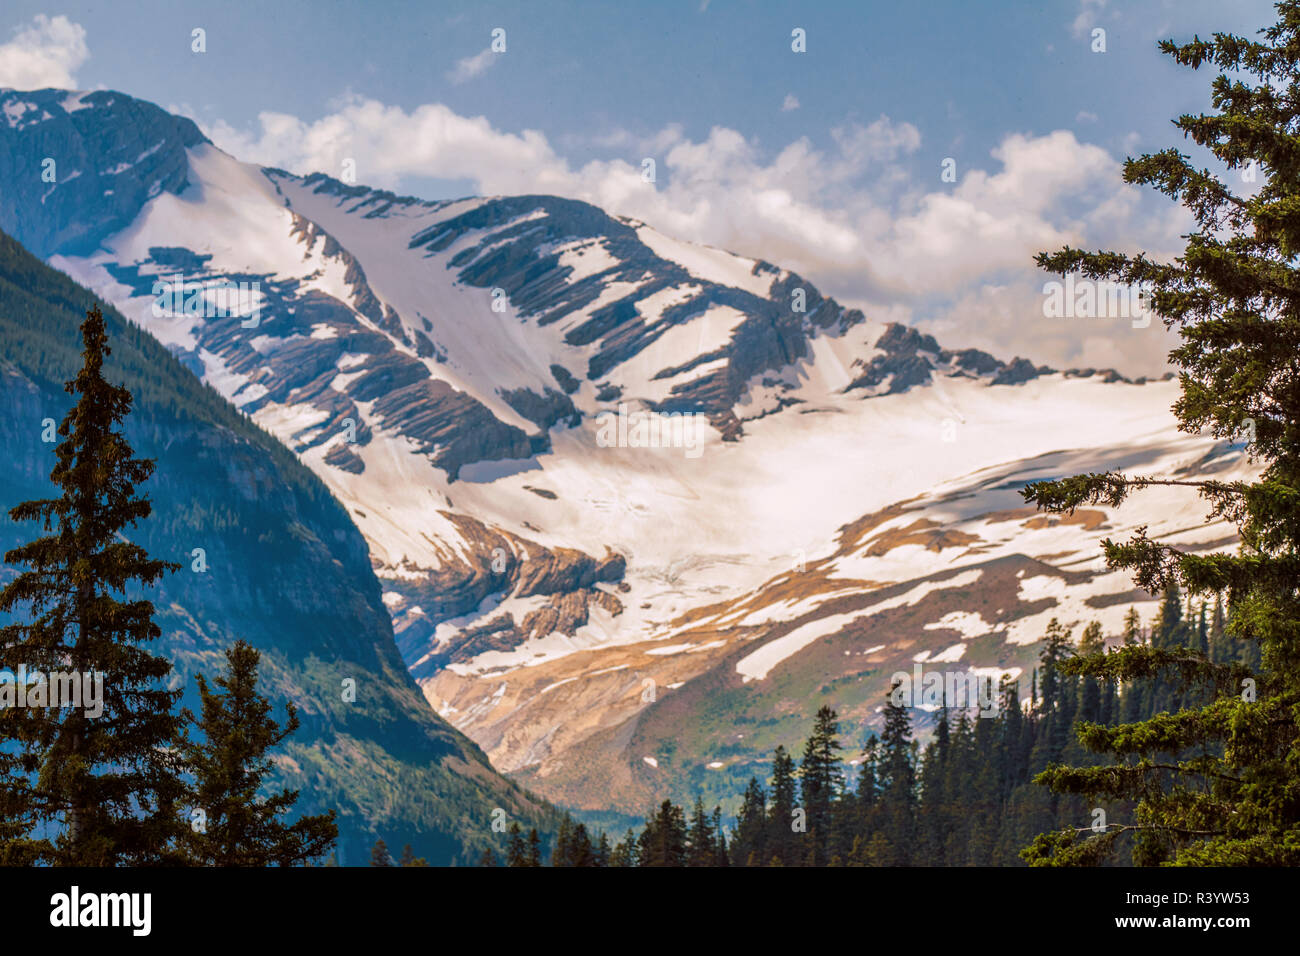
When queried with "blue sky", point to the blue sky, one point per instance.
{"points": [[826, 161]]}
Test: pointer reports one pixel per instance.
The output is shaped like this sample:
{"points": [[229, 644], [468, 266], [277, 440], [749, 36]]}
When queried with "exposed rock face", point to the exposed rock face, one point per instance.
{"points": [[569, 611], [77, 167], [495, 562], [447, 367], [546, 410], [268, 556], [910, 359]]}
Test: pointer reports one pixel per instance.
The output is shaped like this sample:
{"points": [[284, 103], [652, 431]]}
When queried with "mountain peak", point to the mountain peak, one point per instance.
{"points": [[81, 164]]}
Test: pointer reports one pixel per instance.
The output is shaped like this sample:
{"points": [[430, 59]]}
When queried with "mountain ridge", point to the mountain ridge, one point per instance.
{"points": [[444, 366], [258, 516]]}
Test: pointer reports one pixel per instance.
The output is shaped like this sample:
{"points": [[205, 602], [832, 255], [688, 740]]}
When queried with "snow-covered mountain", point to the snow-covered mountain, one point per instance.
{"points": [[639, 505]]}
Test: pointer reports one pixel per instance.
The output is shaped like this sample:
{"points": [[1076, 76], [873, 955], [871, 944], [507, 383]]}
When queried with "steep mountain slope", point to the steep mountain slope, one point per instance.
{"points": [[280, 566], [627, 495]]}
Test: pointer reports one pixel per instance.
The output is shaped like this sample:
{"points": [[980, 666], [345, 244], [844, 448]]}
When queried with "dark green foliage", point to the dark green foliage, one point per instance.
{"points": [[896, 775], [780, 842], [534, 857], [286, 571], [105, 787], [230, 768], [516, 849], [1207, 755], [410, 859], [968, 798], [820, 782], [700, 839], [750, 841], [573, 846], [625, 852], [663, 842]]}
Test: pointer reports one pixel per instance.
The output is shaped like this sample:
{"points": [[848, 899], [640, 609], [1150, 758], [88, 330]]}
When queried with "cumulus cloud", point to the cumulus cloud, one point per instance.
{"points": [[791, 102], [851, 216], [44, 53]]}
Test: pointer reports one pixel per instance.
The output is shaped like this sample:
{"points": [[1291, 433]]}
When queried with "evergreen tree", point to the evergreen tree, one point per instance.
{"points": [[780, 832], [563, 839], [573, 845], [77, 789], [751, 825], [1091, 642], [410, 859], [230, 766], [1133, 696], [1168, 633], [868, 792], [625, 851], [516, 849], [1132, 627], [379, 855], [1057, 704], [602, 852], [700, 848], [898, 782], [933, 806], [721, 855], [581, 851], [984, 799], [1214, 784], [663, 842], [959, 780], [534, 857], [1220, 648], [820, 781]]}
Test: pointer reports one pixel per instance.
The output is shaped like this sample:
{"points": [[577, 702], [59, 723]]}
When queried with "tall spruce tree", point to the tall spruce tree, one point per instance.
{"points": [[821, 779], [1229, 793], [750, 841], [516, 849], [663, 842], [242, 827], [780, 841], [721, 854], [700, 846], [898, 783], [625, 851], [602, 852], [534, 857], [933, 807], [77, 789]]}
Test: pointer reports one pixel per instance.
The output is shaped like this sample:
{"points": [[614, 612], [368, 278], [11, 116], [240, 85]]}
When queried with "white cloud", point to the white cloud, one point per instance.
{"points": [[791, 103], [471, 66], [45, 53], [852, 217], [1089, 14]]}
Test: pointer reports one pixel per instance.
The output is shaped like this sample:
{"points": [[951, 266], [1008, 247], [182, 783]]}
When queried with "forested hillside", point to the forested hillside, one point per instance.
{"points": [[965, 798], [267, 555]]}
